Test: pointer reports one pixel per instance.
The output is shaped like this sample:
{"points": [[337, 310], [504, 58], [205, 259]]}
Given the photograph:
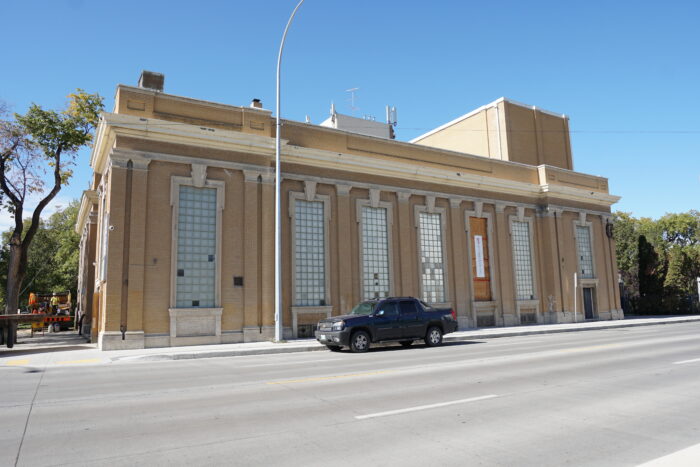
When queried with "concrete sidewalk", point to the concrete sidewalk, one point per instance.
{"points": [[68, 348]]}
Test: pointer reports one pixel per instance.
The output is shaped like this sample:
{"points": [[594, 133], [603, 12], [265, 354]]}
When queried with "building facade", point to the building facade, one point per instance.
{"points": [[483, 214]]}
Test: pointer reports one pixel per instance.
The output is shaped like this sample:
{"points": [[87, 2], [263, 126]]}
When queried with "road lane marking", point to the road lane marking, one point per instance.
{"points": [[257, 365], [684, 457], [87, 360], [592, 347], [17, 362], [424, 407], [687, 361], [324, 378]]}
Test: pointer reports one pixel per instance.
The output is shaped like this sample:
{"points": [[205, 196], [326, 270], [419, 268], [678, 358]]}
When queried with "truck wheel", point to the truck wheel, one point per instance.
{"points": [[433, 337], [333, 348], [405, 343], [359, 342]]}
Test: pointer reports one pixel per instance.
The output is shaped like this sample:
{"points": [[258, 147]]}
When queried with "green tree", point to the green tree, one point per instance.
{"points": [[34, 144], [52, 262], [651, 277], [680, 229]]}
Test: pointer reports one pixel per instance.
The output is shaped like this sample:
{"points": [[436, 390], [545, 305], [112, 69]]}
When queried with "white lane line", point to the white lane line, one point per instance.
{"points": [[687, 361], [424, 407], [684, 457]]}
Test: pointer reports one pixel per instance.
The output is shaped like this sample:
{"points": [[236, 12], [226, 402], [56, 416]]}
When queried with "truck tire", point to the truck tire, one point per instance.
{"points": [[433, 337], [359, 342]]}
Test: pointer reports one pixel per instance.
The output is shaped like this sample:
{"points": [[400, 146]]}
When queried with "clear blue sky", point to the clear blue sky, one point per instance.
{"points": [[626, 72]]}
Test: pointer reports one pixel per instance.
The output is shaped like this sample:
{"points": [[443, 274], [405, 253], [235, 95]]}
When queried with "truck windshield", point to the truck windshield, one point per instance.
{"points": [[363, 308]]}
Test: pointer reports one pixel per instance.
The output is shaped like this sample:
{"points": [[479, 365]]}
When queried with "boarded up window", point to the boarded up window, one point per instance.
{"points": [[481, 269]]}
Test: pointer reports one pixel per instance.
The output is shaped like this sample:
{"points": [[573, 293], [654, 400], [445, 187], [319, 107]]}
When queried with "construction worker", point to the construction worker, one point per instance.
{"points": [[54, 303]]}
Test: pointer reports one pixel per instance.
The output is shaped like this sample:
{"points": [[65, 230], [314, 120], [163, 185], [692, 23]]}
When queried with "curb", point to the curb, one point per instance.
{"points": [[219, 353], [312, 347], [556, 331]]}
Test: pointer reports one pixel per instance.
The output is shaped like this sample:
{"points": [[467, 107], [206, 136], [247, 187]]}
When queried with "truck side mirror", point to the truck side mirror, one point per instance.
{"points": [[379, 313]]}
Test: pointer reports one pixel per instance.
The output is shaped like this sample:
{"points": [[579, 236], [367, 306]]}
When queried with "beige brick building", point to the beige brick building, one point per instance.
{"points": [[484, 214]]}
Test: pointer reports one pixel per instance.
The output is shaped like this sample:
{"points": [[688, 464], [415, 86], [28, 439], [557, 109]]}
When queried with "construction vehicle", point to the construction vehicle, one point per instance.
{"points": [[57, 308], [50, 311]]}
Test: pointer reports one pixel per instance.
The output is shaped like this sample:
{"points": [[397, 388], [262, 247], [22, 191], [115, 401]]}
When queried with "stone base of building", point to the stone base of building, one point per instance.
{"points": [[618, 314], [510, 319], [112, 340], [464, 322], [257, 334], [194, 340], [157, 340]]}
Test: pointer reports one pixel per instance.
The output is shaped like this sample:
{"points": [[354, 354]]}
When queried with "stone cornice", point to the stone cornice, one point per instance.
{"points": [[87, 201], [422, 171]]}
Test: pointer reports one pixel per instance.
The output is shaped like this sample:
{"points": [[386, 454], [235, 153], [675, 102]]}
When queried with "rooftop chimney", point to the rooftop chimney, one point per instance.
{"points": [[152, 80], [256, 104]]}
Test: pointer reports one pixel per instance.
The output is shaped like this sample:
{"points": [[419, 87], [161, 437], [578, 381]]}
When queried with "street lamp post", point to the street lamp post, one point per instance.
{"points": [[278, 183]]}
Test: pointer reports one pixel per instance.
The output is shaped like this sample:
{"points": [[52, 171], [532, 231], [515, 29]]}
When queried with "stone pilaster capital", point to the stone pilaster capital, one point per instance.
{"points": [[343, 189], [403, 196], [556, 211], [455, 203], [262, 176], [501, 207]]}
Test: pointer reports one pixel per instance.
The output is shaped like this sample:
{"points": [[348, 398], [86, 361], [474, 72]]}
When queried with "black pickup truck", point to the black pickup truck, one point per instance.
{"points": [[402, 319]]}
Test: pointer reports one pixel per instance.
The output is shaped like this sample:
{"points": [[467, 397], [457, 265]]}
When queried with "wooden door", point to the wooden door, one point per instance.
{"points": [[481, 269]]}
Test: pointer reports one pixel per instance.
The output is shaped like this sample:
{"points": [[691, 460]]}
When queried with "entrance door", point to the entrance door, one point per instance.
{"points": [[481, 271], [588, 307]]}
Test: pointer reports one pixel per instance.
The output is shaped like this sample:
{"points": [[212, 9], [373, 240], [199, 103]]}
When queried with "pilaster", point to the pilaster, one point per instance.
{"points": [[252, 275], [459, 276], [344, 251], [506, 295], [137, 247], [406, 245], [267, 246], [551, 298]]}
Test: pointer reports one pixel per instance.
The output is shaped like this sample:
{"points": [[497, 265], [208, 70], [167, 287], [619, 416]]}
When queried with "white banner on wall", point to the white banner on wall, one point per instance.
{"points": [[479, 255]]}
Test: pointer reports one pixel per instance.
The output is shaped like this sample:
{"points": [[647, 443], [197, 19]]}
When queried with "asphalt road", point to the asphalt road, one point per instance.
{"points": [[610, 397]]}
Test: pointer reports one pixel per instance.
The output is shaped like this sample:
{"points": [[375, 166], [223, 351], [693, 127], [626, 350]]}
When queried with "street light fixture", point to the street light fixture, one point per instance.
{"points": [[278, 183]]}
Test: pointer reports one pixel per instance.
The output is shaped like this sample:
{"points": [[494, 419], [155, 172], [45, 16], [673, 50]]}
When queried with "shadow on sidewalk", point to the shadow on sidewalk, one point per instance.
{"points": [[64, 341]]}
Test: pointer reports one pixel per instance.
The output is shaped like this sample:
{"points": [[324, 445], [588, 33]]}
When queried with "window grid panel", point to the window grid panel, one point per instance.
{"points": [[585, 252], [310, 254], [196, 248], [522, 259], [431, 251], [375, 253]]}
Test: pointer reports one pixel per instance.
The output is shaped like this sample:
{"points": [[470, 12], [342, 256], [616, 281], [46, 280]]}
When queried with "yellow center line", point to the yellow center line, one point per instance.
{"points": [[17, 362], [593, 347], [87, 360], [325, 378]]}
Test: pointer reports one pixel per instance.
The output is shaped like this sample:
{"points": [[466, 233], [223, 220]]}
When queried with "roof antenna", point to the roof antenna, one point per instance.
{"points": [[353, 97]]}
